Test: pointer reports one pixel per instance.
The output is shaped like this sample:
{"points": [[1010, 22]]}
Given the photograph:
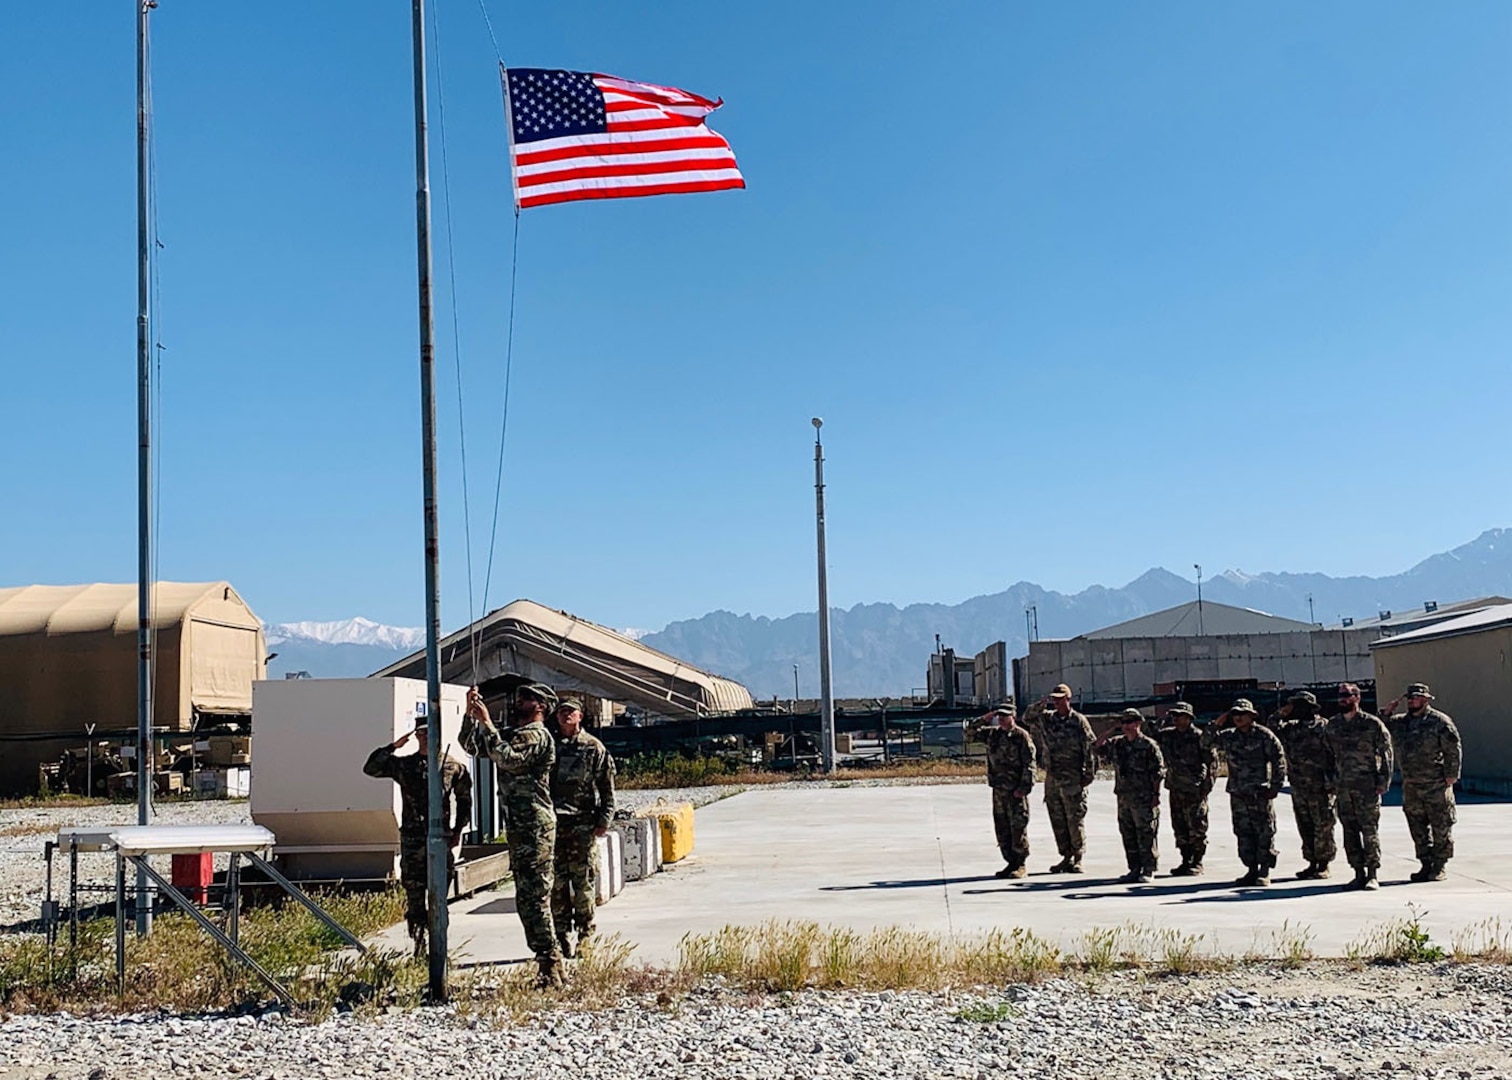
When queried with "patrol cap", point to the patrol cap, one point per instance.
{"points": [[1419, 689], [1131, 716], [1061, 690], [1005, 710], [1244, 705], [1307, 697], [541, 692], [1180, 707], [570, 703]]}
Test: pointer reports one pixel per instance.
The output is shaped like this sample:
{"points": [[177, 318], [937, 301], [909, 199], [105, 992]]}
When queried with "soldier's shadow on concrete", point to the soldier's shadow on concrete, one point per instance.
{"points": [[505, 905], [916, 883], [1231, 893], [1071, 888]]}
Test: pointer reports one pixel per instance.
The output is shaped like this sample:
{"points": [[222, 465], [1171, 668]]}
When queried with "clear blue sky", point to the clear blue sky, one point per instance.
{"points": [[1078, 288]]}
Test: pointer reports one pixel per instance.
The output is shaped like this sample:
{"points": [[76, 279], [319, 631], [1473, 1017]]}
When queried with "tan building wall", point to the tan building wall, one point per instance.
{"points": [[1471, 679]]}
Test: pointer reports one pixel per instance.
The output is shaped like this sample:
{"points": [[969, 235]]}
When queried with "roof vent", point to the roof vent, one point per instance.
{"points": [[1430, 606], [1346, 622], [1385, 615]]}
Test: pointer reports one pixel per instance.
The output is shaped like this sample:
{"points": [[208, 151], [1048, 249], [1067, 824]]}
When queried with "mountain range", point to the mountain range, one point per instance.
{"points": [[881, 649]]}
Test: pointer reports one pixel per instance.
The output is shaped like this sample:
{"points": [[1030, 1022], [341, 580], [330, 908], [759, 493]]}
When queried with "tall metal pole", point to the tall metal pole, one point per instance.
{"points": [[826, 691], [144, 465], [435, 836], [1198, 568]]}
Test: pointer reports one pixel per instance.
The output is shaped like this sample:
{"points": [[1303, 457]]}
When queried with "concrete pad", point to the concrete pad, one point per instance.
{"points": [[923, 857]]}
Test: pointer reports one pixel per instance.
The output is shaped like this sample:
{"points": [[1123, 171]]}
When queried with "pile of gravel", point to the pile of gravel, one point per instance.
{"points": [[1447, 1023]]}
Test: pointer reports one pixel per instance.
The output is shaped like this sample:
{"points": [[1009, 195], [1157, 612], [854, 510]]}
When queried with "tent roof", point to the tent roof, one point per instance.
{"points": [[1217, 619], [576, 642], [82, 609]]}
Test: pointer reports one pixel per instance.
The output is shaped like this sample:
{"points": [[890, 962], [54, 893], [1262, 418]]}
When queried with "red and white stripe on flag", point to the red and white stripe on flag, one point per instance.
{"points": [[590, 136]]}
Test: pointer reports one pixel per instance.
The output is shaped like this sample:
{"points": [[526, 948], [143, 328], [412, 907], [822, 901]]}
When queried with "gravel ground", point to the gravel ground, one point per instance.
{"points": [[1448, 1023]]}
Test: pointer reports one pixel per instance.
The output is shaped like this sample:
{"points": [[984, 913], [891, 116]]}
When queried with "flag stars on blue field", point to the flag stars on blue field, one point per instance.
{"points": [[553, 104]]}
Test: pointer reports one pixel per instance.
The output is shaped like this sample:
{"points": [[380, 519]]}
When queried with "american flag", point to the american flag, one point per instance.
{"points": [[584, 136]]}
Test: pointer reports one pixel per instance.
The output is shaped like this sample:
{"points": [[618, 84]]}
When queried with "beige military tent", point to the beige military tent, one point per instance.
{"points": [[68, 658]]}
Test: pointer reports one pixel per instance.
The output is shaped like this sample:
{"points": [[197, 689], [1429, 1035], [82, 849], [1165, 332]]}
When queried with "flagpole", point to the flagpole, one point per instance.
{"points": [[435, 837], [826, 690], [144, 754]]}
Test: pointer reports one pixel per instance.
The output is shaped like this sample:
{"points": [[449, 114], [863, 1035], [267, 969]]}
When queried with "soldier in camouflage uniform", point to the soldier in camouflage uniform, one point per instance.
{"points": [[1191, 771], [1309, 763], [410, 773], [582, 791], [1361, 752], [1138, 770], [1429, 754], [1010, 774], [1256, 772], [524, 756], [1064, 739]]}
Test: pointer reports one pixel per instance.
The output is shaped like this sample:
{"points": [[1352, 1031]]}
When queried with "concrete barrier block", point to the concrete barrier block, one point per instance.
{"points": [[640, 840], [610, 876]]}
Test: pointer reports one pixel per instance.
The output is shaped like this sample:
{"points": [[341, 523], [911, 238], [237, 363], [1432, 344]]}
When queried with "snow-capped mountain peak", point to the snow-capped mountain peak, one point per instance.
{"points": [[358, 631]]}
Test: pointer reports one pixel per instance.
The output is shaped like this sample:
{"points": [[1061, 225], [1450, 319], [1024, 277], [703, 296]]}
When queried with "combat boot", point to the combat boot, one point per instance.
{"points": [[1370, 881], [1006, 871], [1130, 878], [1195, 869], [1147, 875], [1018, 871], [1074, 866], [1359, 879], [1184, 870], [1312, 871], [1250, 877], [1262, 876], [564, 943], [1436, 872], [548, 972], [1061, 867], [1323, 871]]}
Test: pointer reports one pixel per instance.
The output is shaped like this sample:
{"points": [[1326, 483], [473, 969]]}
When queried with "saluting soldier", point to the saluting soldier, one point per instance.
{"points": [[1429, 754], [1065, 750], [582, 791], [525, 755], [1138, 770], [410, 772], [1191, 772], [1256, 772], [1309, 765], [1361, 751], [1010, 774]]}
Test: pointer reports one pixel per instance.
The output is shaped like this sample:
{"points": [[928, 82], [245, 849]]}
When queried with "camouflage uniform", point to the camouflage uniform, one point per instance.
{"points": [[1309, 765], [1429, 754], [410, 773], [1256, 772], [525, 755], [1010, 774], [1191, 771], [1361, 752], [582, 792], [1138, 769], [1065, 751]]}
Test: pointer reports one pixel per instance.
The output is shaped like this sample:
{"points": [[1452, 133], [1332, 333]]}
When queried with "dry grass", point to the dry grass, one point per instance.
{"points": [[1487, 941], [26, 828], [46, 802], [785, 956]]}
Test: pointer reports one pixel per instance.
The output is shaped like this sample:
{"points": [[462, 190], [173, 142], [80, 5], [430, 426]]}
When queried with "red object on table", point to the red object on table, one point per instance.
{"points": [[193, 876]]}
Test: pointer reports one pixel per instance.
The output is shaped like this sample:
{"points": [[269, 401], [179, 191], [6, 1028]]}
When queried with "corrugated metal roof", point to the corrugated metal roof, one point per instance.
{"points": [[83, 609], [1485, 619], [1183, 621], [1415, 617]]}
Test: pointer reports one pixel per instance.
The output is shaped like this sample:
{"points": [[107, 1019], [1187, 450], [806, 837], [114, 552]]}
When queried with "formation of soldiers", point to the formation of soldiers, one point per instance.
{"points": [[556, 786], [1339, 767]]}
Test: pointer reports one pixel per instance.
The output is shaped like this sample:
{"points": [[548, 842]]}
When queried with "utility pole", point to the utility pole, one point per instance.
{"points": [[1199, 598], [1310, 617], [435, 835], [145, 756], [826, 691], [795, 684]]}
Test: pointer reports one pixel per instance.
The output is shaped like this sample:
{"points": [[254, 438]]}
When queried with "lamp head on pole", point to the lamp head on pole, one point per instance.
{"points": [[818, 423]]}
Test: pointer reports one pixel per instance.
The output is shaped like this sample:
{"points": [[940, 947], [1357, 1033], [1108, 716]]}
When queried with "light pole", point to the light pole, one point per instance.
{"points": [[795, 685], [826, 693], [1310, 617], [1198, 568]]}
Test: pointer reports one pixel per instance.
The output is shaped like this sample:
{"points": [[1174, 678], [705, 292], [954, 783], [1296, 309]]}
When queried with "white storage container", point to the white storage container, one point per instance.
{"points": [[331, 819], [611, 878]]}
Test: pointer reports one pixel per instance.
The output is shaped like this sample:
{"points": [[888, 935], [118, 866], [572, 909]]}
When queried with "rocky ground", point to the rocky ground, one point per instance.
{"points": [[1449, 1022]]}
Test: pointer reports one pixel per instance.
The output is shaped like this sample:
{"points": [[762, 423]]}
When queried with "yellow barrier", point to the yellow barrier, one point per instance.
{"points": [[676, 823]]}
